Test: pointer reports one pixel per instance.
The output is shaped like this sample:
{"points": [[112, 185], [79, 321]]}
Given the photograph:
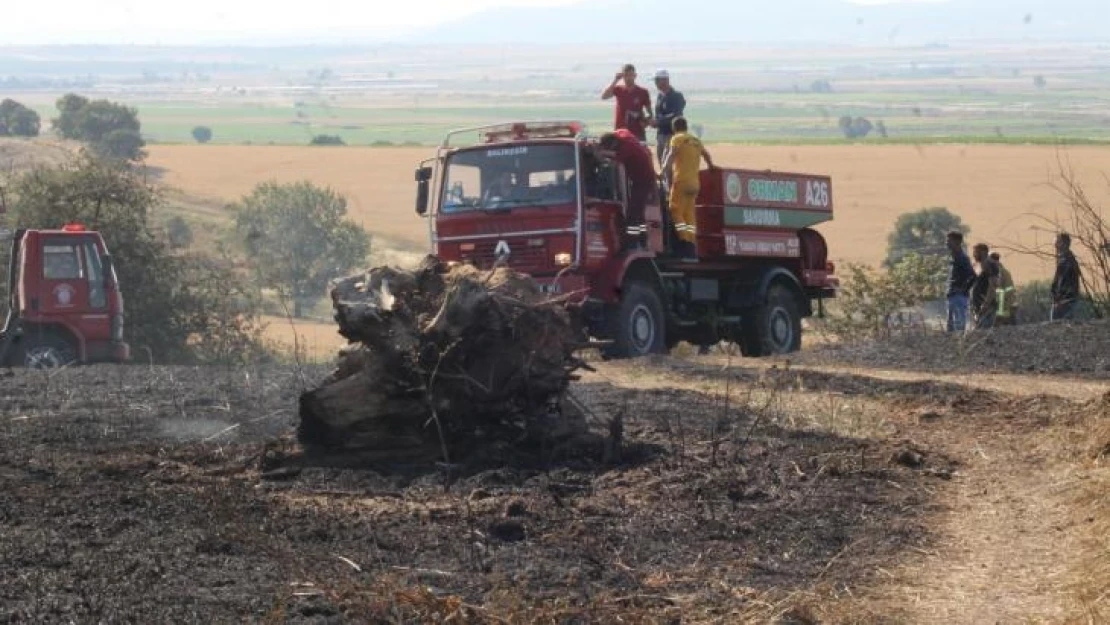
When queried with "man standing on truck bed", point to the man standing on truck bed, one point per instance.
{"points": [[632, 102], [681, 169], [960, 276], [669, 105], [640, 168]]}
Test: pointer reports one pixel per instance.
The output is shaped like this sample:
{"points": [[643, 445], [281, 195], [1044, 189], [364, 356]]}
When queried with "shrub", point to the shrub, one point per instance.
{"points": [[869, 299], [1034, 302], [327, 140], [179, 233], [202, 134]]}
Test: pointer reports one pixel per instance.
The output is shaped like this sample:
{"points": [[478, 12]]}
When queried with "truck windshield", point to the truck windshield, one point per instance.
{"points": [[504, 177]]}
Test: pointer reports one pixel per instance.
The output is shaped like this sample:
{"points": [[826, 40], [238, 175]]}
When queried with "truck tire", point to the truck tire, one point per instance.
{"points": [[48, 352], [637, 326], [776, 327]]}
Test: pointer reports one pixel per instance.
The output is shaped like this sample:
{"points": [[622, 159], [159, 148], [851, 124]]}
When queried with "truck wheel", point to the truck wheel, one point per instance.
{"points": [[637, 326], [776, 327], [48, 352]]}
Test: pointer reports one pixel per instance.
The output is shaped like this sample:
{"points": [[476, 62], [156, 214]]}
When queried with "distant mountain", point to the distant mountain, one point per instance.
{"points": [[782, 22]]}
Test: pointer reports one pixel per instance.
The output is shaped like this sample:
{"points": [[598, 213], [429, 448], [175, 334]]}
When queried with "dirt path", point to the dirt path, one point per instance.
{"points": [[1003, 550], [1005, 539]]}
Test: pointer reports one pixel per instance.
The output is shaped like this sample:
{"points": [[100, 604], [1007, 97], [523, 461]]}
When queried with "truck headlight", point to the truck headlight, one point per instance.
{"points": [[562, 258]]}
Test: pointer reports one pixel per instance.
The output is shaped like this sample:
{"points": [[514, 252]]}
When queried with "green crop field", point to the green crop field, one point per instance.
{"points": [[413, 95]]}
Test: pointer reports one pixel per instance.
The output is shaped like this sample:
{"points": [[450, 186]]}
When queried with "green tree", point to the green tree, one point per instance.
{"points": [[173, 302], [855, 127], [122, 144], [17, 120], [327, 140], [922, 232], [99, 118], [202, 134], [297, 237], [65, 124], [111, 129]]}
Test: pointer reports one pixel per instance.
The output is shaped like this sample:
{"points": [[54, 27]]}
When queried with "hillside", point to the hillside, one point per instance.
{"points": [[18, 155], [785, 21]]}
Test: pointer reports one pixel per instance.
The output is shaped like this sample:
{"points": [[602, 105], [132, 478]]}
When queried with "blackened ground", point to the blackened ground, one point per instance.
{"points": [[1079, 349], [157, 495]]}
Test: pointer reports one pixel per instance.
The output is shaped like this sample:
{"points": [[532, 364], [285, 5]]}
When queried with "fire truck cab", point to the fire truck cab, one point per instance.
{"points": [[545, 199], [63, 304]]}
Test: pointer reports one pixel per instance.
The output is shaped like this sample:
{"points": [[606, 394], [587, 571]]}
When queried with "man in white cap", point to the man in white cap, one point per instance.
{"points": [[669, 104]]}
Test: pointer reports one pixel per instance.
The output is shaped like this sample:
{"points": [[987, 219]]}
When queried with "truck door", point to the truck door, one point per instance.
{"points": [[64, 283]]}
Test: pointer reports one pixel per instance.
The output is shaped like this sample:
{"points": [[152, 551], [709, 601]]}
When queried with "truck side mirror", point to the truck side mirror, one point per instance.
{"points": [[423, 178]]}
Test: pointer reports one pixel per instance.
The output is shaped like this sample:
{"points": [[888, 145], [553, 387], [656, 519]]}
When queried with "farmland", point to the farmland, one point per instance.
{"points": [[993, 187], [412, 94]]}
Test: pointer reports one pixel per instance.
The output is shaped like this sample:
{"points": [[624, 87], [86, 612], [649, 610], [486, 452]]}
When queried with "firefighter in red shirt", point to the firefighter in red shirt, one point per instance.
{"points": [[633, 102], [642, 180]]}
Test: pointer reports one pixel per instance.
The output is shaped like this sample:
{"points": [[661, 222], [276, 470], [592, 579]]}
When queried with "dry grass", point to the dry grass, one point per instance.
{"points": [[990, 186], [315, 341], [18, 155], [1090, 510]]}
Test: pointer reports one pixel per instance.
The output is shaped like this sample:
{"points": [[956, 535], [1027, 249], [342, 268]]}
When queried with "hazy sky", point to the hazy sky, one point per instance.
{"points": [[213, 21]]}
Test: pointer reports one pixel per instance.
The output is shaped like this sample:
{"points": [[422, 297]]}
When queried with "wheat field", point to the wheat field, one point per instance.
{"points": [[993, 187]]}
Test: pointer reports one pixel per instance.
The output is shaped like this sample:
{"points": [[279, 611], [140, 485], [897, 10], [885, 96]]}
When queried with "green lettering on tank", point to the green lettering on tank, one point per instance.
{"points": [[773, 190], [752, 217]]}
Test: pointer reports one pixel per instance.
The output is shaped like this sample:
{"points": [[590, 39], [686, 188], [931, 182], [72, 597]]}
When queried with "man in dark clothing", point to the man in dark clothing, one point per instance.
{"points": [[984, 290], [632, 102], [1065, 284], [960, 277], [669, 105], [640, 168]]}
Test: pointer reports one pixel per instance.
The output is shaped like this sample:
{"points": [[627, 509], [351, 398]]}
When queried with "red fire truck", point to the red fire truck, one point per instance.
{"points": [[545, 199], [63, 305]]}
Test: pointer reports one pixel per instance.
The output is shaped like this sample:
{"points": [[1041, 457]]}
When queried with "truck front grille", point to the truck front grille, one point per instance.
{"points": [[522, 256]]}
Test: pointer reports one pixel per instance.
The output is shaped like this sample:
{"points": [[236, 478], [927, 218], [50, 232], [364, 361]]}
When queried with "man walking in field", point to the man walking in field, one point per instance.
{"points": [[640, 167], [681, 168], [1007, 297], [633, 102], [669, 105], [1065, 284], [984, 303], [960, 277]]}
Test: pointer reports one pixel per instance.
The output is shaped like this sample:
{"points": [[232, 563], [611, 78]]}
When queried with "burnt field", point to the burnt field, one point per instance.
{"points": [[739, 492]]}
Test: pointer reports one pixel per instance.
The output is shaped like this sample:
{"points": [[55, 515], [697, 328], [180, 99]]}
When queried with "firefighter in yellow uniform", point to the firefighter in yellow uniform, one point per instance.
{"points": [[680, 166]]}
